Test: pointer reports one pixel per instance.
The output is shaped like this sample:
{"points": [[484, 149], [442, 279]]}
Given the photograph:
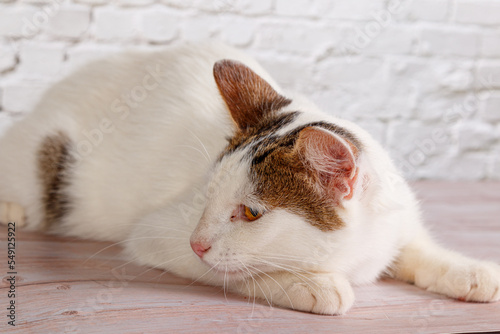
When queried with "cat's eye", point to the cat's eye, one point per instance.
{"points": [[252, 214]]}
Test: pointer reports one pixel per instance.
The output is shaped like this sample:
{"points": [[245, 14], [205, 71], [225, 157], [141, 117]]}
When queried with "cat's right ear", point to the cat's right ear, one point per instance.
{"points": [[248, 97], [333, 158]]}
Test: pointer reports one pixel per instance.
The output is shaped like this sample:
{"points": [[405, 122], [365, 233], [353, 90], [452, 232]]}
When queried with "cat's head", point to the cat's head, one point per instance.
{"points": [[280, 186]]}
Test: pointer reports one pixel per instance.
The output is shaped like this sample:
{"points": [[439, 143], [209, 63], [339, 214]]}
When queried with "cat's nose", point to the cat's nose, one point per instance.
{"points": [[199, 248]]}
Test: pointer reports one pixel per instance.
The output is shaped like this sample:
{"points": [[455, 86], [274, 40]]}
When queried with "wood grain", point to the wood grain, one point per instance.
{"points": [[67, 285]]}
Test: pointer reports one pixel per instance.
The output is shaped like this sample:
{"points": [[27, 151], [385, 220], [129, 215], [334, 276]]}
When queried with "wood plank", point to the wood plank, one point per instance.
{"points": [[68, 285]]}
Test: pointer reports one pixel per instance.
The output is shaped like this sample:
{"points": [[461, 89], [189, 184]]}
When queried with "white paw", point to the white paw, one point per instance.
{"points": [[319, 293], [478, 282], [323, 294], [12, 212]]}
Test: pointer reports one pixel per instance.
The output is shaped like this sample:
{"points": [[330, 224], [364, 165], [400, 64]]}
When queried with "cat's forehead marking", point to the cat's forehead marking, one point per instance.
{"points": [[267, 127], [54, 160]]}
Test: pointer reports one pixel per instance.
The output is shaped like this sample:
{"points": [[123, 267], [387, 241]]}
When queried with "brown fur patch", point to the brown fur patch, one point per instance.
{"points": [[248, 97], [54, 161], [283, 181], [281, 177]]}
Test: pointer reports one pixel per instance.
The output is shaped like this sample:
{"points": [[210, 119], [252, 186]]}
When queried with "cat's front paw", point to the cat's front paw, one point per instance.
{"points": [[316, 293], [479, 282], [322, 294]]}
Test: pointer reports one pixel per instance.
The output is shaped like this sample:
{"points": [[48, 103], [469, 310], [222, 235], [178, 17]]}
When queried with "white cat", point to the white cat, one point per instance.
{"points": [[204, 167]]}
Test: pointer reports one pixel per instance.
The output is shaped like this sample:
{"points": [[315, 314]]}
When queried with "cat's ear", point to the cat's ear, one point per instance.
{"points": [[248, 97], [332, 158]]}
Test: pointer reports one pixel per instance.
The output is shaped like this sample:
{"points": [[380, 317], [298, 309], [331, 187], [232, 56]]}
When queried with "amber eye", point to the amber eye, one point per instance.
{"points": [[252, 214]]}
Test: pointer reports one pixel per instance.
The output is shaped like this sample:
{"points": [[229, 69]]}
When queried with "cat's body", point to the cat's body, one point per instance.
{"points": [[299, 205]]}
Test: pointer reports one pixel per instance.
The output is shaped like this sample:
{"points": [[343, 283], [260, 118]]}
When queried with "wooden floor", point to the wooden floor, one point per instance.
{"points": [[63, 288]]}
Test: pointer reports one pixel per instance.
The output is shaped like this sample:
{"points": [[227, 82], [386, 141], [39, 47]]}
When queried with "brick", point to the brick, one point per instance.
{"points": [[378, 130], [488, 74], [70, 22], [340, 9], [159, 24], [180, 3], [490, 108], [44, 2], [7, 57], [298, 39], [290, 73], [433, 167], [92, 2], [455, 77], [490, 44], [18, 21], [84, 53], [23, 97], [114, 24], [373, 10], [470, 166], [341, 71], [416, 141], [134, 2], [237, 31], [450, 42], [392, 39], [245, 7], [39, 59], [484, 12], [475, 135], [297, 8], [425, 10], [374, 38], [451, 76], [339, 102], [434, 107], [198, 28]]}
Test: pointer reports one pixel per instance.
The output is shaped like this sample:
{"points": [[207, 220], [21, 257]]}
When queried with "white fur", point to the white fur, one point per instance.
{"points": [[152, 182]]}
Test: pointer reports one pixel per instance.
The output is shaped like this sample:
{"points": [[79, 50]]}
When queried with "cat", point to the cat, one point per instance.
{"points": [[199, 164]]}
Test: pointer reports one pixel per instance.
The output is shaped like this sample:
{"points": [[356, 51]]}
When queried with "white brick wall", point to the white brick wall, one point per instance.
{"points": [[423, 76]]}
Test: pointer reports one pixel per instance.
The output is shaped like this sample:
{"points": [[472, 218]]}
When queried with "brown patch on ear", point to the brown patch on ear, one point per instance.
{"points": [[54, 161], [248, 97]]}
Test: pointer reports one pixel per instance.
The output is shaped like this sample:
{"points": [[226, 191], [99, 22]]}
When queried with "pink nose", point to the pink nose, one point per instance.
{"points": [[199, 248]]}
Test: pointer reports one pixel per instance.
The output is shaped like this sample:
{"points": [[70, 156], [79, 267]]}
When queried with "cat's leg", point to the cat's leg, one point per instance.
{"points": [[436, 269], [12, 212], [321, 293], [29, 171], [18, 183]]}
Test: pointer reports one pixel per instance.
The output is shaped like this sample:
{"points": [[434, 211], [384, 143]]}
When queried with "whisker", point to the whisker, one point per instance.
{"points": [[209, 270], [202, 145], [268, 287], [161, 264], [163, 228], [261, 289], [139, 256], [281, 287], [295, 272], [197, 150], [287, 258]]}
